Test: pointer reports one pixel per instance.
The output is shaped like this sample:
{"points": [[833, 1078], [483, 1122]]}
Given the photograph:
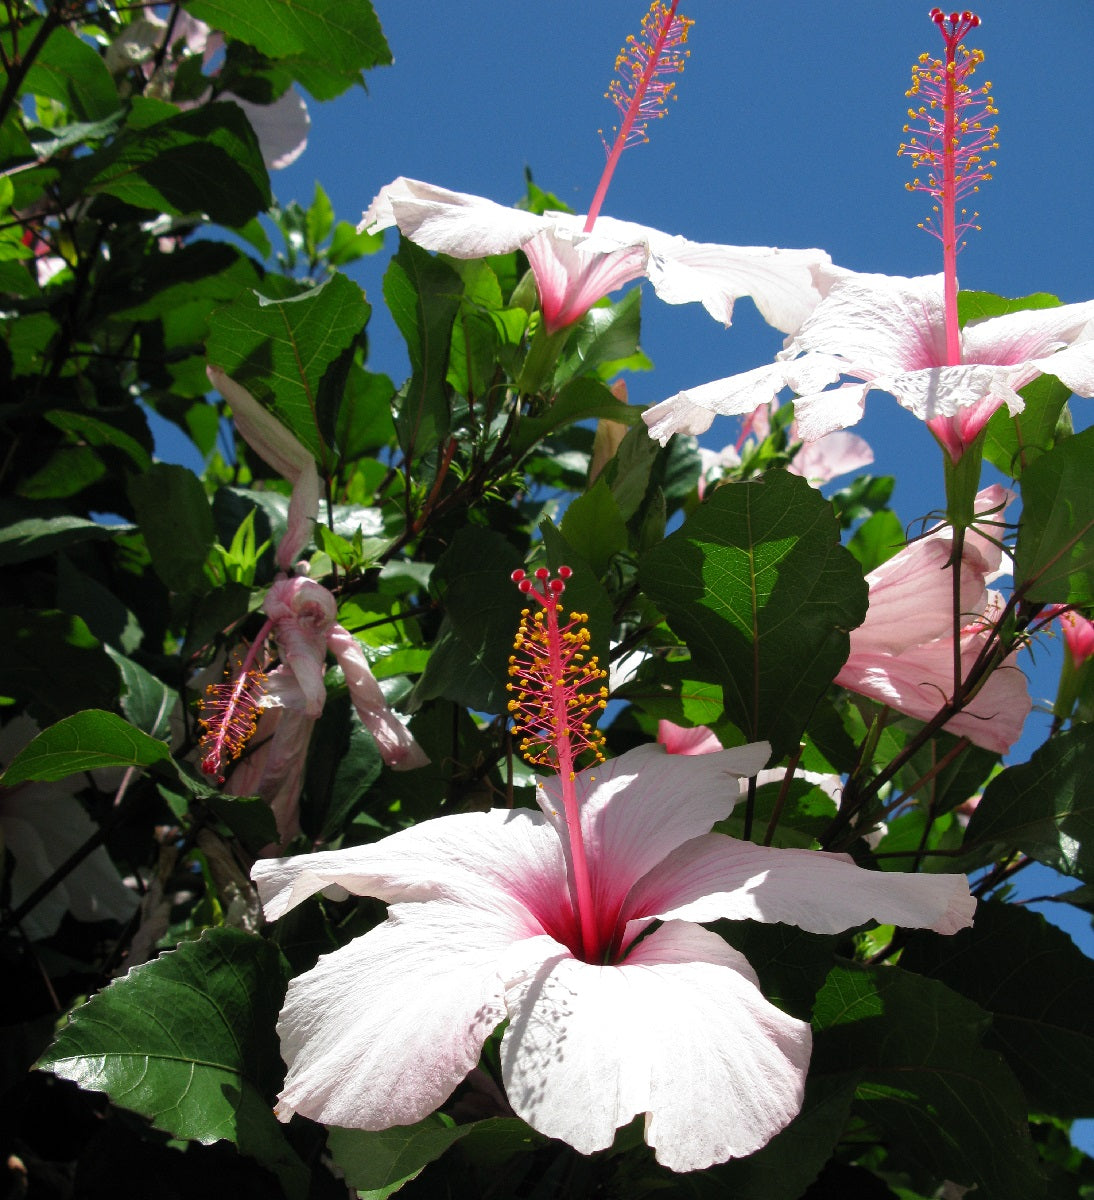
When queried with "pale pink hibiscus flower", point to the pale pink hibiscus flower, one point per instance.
{"points": [[481, 928], [1077, 630], [571, 265], [889, 334], [902, 655], [546, 920]]}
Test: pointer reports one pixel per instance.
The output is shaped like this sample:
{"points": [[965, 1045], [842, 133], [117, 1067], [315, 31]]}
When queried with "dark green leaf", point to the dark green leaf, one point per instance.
{"points": [[423, 294], [924, 1079], [470, 658], [68, 69], [581, 400], [206, 160], [25, 536], [1044, 807], [85, 741], [281, 350], [757, 584], [188, 1041], [1054, 558], [250, 818], [377, 1164], [52, 662], [1039, 988], [177, 523], [607, 335], [329, 39]]}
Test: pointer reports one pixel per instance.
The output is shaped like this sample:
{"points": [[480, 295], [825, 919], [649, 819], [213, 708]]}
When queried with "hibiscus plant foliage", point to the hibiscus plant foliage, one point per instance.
{"points": [[459, 786]]}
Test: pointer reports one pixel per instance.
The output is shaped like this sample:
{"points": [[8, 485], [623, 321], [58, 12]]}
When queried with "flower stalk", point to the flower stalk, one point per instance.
{"points": [[641, 89]]}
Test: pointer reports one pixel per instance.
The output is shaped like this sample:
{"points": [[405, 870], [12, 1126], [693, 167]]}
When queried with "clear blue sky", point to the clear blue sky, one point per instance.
{"points": [[785, 132]]}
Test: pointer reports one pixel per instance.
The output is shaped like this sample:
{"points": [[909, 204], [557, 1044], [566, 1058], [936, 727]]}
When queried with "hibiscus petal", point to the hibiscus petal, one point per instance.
{"points": [[1023, 336], [716, 877], [454, 223], [679, 1031], [380, 1032], [628, 818], [496, 859], [572, 275]]}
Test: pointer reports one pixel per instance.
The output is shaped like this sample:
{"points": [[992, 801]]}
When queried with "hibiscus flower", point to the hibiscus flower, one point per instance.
{"points": [[566, 260], [889, 334], [902, 655], [662, 1018]]}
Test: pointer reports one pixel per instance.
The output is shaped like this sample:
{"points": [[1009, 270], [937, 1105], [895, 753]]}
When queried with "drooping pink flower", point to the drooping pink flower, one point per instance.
{"points": [[902, 655], [302, 622], [544, 919], [780, 282], [889, 333]]}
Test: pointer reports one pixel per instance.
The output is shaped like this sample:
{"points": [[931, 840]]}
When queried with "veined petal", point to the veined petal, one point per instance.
{"points": [[454, 223], [500, 859], [260, 429], [380, 1032], [945, 391], [679, 1031], [835, 454], [1028, 335], [879, 324], [715, 876], [281, 127], [1072, 366], [629, 817]]}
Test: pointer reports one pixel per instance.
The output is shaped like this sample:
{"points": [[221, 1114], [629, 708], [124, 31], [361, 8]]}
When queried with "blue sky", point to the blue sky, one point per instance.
{"points": [[785, 132]]}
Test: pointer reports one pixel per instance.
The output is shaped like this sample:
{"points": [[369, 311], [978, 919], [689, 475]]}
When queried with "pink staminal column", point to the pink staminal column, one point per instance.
{"points": [[229, 710], [557, 693], [643, 83], [948, 138]]}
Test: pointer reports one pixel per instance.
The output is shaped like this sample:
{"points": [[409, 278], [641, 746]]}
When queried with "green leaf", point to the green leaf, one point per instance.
{"points": [[343, 763], [68, 69], [51, 661], [1012, 443], [177, 523], [282, 350], [876, 540], [206, 160], [378, 1164], [85, 741], [607, 335], [470, 658], [319, 219], [581, 400], [594, 526], [975, 306], [1038, 986], [1044, 807], [23, 537], [327, 43], [423, 294], [757, 584], [250, 818], [146, 700], [924, 1079], [1054, 557], [188, 1041]]}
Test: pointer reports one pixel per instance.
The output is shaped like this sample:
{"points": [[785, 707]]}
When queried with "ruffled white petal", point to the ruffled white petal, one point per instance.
{"points": [[380, 1032], [498, 859], [679, 1031], [717, 877], [454, 223]]}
